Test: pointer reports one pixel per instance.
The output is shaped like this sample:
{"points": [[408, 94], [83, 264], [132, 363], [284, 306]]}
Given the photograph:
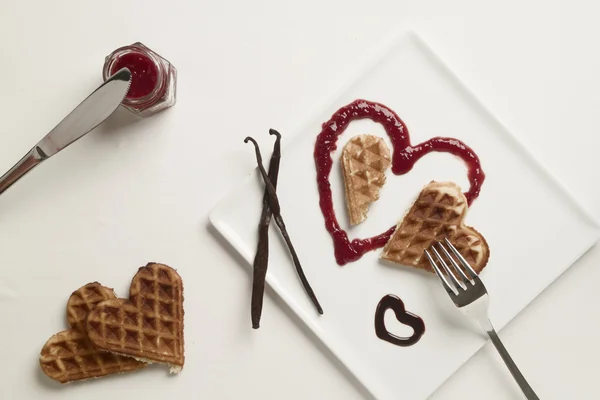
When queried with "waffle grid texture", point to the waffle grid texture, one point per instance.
{"points": [[437, 213], [365, 158]]}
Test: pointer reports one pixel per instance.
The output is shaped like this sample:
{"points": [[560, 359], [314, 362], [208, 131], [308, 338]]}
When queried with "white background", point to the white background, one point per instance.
{"points": [[108, 204]]}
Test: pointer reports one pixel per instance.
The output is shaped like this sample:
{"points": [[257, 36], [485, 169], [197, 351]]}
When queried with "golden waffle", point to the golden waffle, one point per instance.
{"points": [[149, 325], [364, 161], [438, 212], [69, 355]]}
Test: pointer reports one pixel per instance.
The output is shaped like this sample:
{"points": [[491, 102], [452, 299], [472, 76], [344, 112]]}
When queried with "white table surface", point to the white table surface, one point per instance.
{"points": [[115, 197]]}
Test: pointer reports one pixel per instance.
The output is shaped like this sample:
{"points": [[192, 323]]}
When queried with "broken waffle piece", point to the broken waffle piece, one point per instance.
{"points": [[149, 325], [438, 213], [365, 158], [69, 355]]}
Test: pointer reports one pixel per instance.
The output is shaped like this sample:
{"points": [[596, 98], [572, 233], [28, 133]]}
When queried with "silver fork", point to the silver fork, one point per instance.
{"points": [[471, 297]]}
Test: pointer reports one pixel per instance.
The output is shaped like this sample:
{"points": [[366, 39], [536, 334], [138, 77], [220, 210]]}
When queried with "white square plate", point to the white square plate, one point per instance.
{"points": [[534, 228]]}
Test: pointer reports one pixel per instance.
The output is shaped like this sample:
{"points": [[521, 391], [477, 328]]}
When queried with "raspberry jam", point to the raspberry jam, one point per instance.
{"points": [[404, 157], [153, 79], [144, 73]]}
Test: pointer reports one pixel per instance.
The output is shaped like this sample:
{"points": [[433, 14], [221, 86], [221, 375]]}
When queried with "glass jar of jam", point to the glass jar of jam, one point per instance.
{"points": [[153, 78]]}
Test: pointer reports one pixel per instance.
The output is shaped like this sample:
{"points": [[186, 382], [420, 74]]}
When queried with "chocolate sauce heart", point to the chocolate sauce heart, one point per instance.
{"points": [[404, 157], [404, 317]]}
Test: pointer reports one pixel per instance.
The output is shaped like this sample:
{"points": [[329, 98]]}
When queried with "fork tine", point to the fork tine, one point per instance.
{"points": [[447, 268], [449, 288], [463, 276], [461, 259]]}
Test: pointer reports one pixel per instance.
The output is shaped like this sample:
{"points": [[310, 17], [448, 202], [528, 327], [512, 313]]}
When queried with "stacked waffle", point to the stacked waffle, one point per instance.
{"points": [[437, 213], [111, 335]]}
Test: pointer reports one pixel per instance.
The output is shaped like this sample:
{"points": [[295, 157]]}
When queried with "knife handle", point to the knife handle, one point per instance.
{"points": [[26, 164]]}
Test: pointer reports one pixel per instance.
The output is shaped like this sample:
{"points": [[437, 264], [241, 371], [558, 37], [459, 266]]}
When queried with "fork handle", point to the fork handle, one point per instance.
{"points": [[512, 367]]}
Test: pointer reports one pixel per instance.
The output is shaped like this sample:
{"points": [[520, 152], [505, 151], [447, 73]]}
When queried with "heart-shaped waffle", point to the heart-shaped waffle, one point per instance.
{"points": [[364, 160], [149, 325], [69, 355], [438, 213]]}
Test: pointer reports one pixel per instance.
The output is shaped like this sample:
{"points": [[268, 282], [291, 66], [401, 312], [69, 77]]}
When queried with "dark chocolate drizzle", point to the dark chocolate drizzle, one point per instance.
{"points": [[404, 317]]}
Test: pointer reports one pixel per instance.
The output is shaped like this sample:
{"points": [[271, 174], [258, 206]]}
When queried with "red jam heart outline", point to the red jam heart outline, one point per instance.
{"points": [[404, 157], [404, 317]]}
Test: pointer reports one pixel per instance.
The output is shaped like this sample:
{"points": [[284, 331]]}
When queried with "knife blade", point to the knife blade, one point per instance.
{"points": [[92, 111]]}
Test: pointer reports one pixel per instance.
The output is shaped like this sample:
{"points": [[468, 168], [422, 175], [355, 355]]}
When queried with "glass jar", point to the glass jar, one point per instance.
{"points": [[153, 78]]}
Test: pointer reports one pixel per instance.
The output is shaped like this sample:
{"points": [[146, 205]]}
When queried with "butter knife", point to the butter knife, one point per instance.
{"points": [[86, 116]]}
